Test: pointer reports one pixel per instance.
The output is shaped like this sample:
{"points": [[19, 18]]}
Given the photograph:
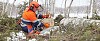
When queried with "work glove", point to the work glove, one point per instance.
{"points": [[46, 16], [19, 21]]}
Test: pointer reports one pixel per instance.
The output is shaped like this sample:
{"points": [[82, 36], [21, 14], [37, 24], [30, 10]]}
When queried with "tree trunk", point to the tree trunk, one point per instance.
{"points": [[52, 6], [92, 8], [12, 8], [65, 9], [69, 8], [2, 10], [30, 1]]}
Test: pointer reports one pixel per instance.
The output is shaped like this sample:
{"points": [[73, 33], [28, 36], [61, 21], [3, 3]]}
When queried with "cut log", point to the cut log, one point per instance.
{"points": [[49, 20]]}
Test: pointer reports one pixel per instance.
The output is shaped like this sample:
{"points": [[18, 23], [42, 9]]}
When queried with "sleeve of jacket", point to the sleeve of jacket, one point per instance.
{"points": [[39, 16], [32, 17]]}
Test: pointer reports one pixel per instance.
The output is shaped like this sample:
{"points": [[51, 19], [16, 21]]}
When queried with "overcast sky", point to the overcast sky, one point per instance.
{"points": [[58, 3]]}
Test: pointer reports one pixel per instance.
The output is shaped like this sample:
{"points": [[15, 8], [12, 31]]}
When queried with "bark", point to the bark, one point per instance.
{"points": [[69, 8], [30, 1]]}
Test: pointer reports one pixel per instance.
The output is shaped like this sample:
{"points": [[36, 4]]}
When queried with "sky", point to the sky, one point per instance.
{"points": [[58, 3]]}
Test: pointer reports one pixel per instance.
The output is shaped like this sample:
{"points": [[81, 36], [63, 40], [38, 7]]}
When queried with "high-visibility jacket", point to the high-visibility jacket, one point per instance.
{"points": [[29, 17]]}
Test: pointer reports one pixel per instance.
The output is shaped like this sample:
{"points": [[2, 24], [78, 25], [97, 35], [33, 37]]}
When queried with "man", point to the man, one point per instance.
{"points": [[30, 20]]}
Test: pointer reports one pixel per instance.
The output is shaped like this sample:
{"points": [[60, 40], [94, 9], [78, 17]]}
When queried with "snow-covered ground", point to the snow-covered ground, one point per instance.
{"points": [[20, 36], [79, 15]]}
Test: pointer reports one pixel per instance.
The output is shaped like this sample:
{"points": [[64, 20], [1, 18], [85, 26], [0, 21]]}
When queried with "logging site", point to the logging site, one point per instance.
{"points": [[49, 20]]}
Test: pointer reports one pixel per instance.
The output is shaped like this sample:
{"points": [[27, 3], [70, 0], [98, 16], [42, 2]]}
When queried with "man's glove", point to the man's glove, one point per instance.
{"points": [[19, 21], [46, 16]]}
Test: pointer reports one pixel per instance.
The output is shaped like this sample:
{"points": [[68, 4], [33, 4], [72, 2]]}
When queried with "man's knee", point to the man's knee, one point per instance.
{"points": [[25, 29]]}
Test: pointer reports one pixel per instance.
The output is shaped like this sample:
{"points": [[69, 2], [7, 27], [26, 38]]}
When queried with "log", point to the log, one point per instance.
{"points": [[79, 22], [49, 20]]}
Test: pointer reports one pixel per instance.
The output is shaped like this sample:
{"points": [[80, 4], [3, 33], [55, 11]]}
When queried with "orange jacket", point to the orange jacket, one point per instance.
{"points": [[29, 15]]}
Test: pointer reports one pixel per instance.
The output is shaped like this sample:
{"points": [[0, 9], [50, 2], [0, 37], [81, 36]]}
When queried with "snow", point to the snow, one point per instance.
{"points": [[18, 36], [79, 15], [33, 39], [47, 31]]}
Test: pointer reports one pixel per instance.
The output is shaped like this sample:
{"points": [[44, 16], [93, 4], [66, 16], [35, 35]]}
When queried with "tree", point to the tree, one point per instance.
{"points": [[68, 9]]}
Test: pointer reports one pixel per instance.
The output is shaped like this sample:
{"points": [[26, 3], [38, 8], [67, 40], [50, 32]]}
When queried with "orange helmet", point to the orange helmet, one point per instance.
{"points": [[34, 3]]}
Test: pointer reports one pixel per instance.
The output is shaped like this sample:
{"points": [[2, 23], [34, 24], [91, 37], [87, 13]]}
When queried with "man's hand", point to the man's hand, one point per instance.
{"points": [[47, 16], [19, 21]]}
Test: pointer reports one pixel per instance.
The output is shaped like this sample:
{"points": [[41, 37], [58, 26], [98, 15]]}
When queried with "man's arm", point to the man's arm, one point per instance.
{"points": [[40, 16]]}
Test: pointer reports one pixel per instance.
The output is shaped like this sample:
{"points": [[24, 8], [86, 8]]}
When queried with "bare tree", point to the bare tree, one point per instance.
{"points": [[52, 6], [6, 5], [69, 8], [3, 9], [45, 5], [12, 8], [65, 9], [30, 1], [92, 7]]}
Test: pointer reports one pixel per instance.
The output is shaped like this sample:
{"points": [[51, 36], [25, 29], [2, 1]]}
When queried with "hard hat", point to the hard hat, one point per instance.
{"points": [[34, 4]]}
